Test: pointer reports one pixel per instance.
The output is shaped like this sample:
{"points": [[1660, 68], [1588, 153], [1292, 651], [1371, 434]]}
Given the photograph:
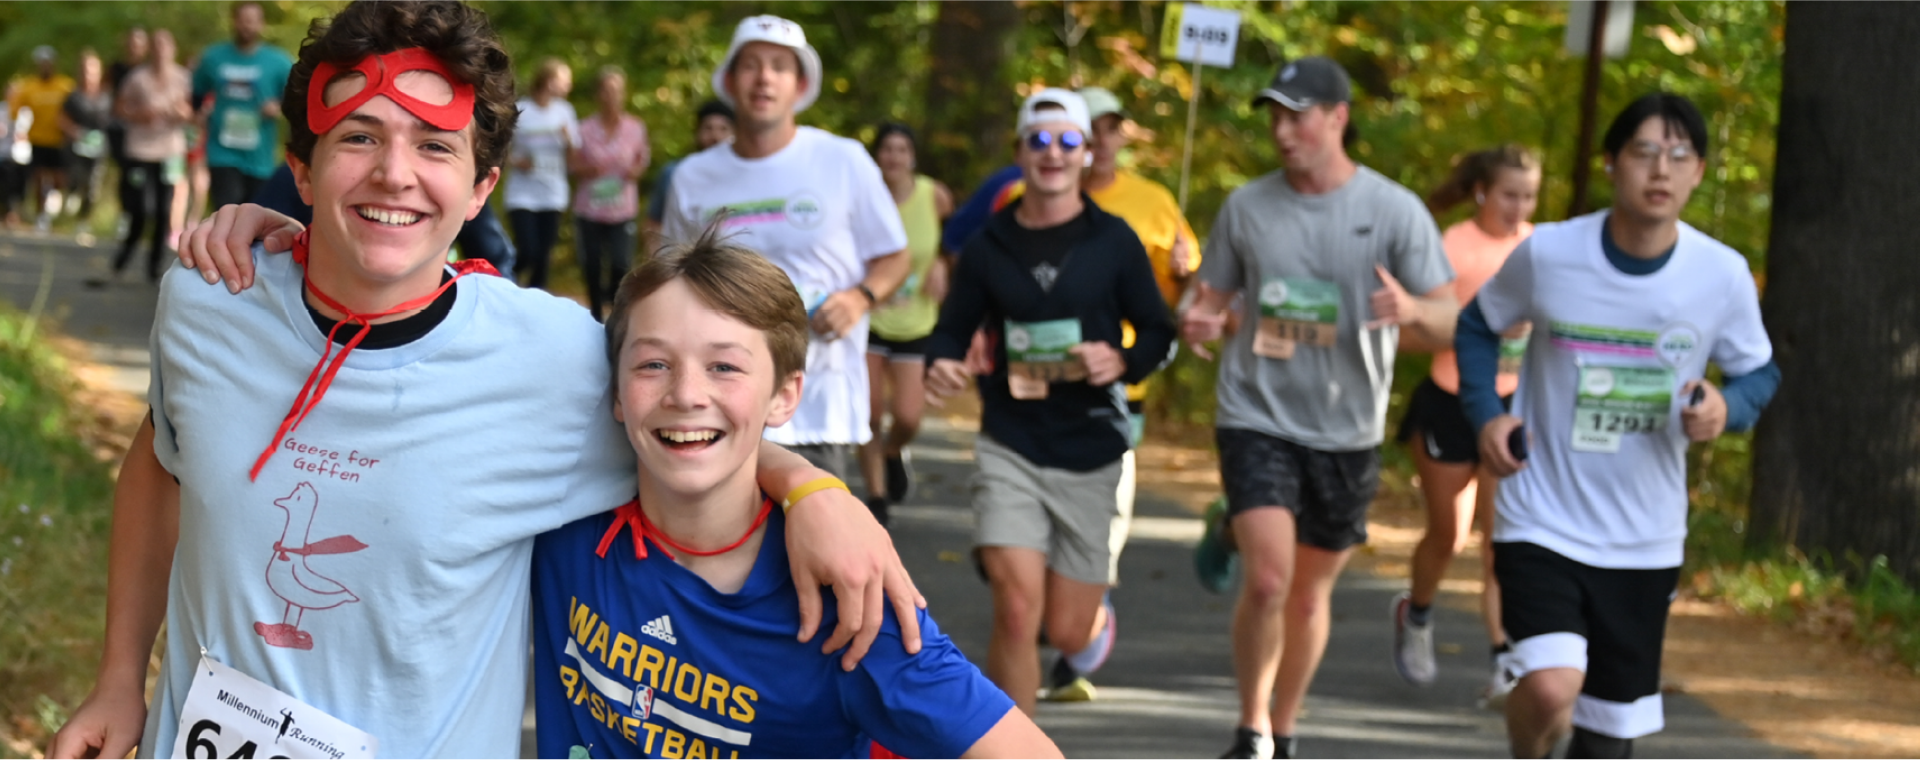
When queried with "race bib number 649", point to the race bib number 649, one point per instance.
{"points": [[229, 714]]}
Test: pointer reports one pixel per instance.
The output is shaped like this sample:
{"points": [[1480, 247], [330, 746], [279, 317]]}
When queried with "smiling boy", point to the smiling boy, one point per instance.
{"points": [[367, 552], [661, 625]]}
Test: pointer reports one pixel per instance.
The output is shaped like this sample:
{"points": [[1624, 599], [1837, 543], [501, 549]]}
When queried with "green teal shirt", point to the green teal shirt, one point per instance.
{"points": [[238, 135]]}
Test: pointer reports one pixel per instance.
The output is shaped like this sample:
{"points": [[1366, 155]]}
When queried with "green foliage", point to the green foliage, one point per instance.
{"points": [[1434, 80], [55, 498], [1850, 596]]}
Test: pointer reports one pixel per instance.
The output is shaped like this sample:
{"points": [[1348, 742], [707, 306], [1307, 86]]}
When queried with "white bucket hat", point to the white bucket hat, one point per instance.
{"points": [[778, 31]]}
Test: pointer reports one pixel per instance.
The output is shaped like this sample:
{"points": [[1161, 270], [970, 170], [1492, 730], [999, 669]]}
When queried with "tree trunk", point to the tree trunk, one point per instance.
{"points": [[970, 105], [1837, 457]]}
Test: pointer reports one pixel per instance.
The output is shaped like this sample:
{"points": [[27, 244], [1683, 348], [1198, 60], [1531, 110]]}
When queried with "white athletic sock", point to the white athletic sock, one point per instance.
{"points": [[1094, 654]]}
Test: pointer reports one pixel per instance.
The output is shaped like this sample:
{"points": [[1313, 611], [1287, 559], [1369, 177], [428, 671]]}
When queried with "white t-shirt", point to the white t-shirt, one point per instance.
{"points": [[441, 459], [819, 209], [538, 135], [1606, 482]]}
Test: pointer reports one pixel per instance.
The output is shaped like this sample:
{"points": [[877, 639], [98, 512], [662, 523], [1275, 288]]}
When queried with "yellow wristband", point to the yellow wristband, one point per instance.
{"points": [[810, 488]]}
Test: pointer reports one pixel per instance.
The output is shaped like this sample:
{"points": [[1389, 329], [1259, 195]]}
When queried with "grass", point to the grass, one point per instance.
{"points": [[55, 497]]}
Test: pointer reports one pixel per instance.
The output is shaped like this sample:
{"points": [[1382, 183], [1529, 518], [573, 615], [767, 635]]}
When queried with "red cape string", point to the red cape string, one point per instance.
{"points": [[321, 378], [630, 514]]}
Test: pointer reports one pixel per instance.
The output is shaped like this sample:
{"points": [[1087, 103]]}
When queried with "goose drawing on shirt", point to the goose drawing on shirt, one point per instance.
{"points": [[290, 577]]}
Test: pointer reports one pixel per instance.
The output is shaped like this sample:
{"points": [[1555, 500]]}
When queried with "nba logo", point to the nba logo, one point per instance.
{"points": [[642, 706]]}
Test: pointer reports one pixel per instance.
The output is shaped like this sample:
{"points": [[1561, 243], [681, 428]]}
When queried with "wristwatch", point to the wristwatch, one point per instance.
{"points": [[868, 292]]}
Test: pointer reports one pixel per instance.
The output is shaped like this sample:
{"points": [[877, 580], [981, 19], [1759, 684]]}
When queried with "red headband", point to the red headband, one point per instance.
{"points": [[382, 73]]}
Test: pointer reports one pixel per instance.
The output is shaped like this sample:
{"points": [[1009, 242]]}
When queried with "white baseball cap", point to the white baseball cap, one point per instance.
{"points": [[1067, 106], [778, 31], [1101, 101]]}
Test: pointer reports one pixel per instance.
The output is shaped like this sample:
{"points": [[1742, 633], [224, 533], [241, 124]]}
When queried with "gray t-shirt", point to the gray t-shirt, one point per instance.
{"points": [[1310, 259]]}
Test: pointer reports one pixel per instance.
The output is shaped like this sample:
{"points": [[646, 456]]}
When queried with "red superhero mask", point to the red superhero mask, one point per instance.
{"points": [[382, 74]]}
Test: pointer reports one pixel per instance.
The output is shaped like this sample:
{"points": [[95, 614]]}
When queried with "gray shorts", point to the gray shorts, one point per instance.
{"points": [[1078, 519], [832, 457]]}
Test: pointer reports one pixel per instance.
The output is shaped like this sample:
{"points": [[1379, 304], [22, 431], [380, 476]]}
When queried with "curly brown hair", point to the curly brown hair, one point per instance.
{"points": [[458, 34]]}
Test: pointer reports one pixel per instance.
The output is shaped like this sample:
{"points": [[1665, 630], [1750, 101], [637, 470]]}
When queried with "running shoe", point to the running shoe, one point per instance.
{"points": [[1248, 743], [1213, 562], [1068, 680], [1064, 684], [900, 477], [1412, 644], [1501, 682]]}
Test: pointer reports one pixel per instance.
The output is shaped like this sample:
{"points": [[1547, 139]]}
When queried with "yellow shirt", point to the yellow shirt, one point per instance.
{"points": [[1154, 215], [45, 97]]}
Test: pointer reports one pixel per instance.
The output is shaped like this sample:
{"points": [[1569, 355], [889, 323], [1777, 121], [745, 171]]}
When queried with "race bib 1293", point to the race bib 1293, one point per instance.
{"points": [[1613, 401]]}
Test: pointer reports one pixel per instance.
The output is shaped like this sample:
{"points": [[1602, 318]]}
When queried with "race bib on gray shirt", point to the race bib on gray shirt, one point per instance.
{"points": [[1317, 377]]}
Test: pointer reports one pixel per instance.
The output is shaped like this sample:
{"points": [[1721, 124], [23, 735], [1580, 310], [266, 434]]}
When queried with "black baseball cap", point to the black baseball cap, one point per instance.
{"points": [[1308, 82]]}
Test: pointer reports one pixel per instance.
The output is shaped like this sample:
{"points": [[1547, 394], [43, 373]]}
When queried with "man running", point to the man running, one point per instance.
{"points": [[812, 203], [1146, 206], [245, 78], [1151, 212], [369, 556], [1320, 250], [1058, 275], [1628, 306], [43, 94]]}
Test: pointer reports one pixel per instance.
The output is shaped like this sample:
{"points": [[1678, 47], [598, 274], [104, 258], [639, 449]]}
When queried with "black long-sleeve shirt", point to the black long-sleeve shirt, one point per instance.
{"points": [[1092, 269]]}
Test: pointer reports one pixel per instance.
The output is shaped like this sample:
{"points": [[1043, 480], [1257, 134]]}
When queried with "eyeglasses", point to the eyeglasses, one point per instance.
{"points": [[1070, 140], [1647, 152]]}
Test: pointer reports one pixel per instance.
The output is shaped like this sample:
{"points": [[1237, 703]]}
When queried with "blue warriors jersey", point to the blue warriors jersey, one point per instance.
{"points": [[642, 658]]}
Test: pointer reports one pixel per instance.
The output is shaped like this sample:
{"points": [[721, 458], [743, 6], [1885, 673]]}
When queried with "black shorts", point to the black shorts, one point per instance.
{"points": [[48, 158], [1609, 623], [898, 350], [1440, 422], [1328, 492], [230, 185]]}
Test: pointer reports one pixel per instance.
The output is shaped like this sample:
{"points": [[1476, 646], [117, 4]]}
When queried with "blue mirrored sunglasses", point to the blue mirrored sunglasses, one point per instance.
{"points": [[1070, 140]]}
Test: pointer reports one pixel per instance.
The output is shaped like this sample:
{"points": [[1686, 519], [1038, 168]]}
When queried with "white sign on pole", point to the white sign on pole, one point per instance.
{"points": [[1208, 36], [1616, 36], [1204, 37]]}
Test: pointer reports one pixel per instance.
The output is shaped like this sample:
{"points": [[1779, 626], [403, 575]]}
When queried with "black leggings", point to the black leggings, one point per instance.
{"points": [[533, 234], [151, 197], [605, 251]]}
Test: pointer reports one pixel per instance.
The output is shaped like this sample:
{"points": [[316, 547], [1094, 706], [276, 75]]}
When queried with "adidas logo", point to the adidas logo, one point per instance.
{"points": [[660, 628]]}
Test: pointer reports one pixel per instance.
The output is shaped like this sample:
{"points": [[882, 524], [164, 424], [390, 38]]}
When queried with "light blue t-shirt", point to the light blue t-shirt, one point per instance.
{"points": [[238, 135], [441, 459]]}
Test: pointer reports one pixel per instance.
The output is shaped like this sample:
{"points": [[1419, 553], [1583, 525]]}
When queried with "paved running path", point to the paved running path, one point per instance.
{"points": [[1168, 690]]}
